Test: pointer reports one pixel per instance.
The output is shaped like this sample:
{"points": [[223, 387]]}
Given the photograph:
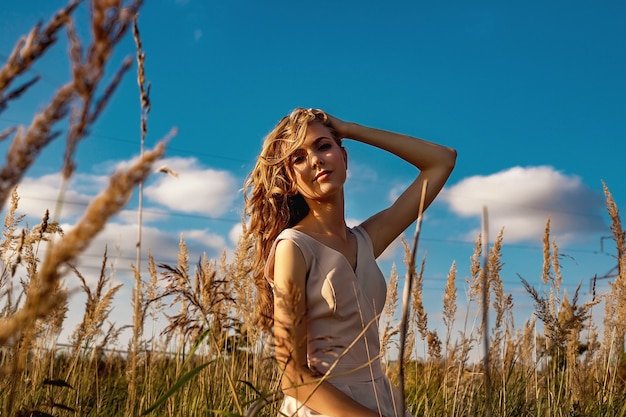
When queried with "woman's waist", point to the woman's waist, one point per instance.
{"points": [[346, 369]]}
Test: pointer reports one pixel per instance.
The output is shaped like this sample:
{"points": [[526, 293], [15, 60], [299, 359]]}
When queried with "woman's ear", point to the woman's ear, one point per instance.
{"points": [[345, 156]]}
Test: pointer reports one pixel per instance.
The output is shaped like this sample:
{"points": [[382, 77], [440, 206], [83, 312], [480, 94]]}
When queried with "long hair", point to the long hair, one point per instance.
{"points": [[272, 201]]}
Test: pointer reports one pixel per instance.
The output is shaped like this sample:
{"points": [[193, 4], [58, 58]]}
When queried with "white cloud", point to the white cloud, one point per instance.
{"points": [[522, 199], [38, 194], [147, 216], [235, 233], [88, 184], [396, 191], [206, 239], [120, 241], [361, 172], [196, 190]]}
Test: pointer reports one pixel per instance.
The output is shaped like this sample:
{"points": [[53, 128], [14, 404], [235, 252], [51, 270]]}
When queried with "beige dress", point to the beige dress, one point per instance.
{"points": [[343, 306]]}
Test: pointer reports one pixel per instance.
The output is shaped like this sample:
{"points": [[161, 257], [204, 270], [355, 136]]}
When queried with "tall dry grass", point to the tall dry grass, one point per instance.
{"points": [[210, 359]]}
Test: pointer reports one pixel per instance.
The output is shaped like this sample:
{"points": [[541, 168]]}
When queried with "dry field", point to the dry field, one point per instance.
{"points": [[211, 359]]}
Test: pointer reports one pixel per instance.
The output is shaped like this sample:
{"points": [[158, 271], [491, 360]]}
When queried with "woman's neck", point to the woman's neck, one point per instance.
{"points": [[325, 218]]}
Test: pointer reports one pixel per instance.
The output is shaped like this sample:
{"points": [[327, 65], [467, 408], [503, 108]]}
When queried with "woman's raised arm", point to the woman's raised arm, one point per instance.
{"points": [[434, 162]]}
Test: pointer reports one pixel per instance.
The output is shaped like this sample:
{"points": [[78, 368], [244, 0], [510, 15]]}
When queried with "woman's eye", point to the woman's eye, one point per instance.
{"points": [[324, 146], [297, 159]]}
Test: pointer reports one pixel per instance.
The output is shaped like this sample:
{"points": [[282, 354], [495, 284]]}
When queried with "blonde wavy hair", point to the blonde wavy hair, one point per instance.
{"points": [[272, 201]]}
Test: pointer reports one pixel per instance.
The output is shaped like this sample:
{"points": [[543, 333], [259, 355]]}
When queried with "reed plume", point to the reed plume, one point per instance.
{"points": [[615, 318], [109, 23], [203, 299], [27, 50], [391, 304], [420, 317], [449, 303], [502, 303], [153, 302], [98, 305], [38, 303], [28, 143], [139, 309], [243, 288], [562, 319]]}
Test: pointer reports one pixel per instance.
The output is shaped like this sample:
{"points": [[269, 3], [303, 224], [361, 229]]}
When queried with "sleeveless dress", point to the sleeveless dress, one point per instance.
{"points": [[343, 307]]}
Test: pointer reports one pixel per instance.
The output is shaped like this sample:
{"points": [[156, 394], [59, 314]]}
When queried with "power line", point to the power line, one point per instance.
{"points": [[44, 77], [170, 148], [149, 211], [179, 214]]}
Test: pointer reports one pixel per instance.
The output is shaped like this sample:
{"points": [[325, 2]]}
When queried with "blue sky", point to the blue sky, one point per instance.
{"points": [[531, 94]]}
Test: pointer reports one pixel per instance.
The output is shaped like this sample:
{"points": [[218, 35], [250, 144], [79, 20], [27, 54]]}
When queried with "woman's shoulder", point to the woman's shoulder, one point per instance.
{"points": [[290, 233], [301, 240]]}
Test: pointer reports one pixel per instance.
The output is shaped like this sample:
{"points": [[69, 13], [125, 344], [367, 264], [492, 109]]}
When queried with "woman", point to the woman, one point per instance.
{"points": [[318, 282]]}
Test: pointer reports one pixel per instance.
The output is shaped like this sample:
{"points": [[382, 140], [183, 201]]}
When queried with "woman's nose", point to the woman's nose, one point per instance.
{"points": [[316, 159]]}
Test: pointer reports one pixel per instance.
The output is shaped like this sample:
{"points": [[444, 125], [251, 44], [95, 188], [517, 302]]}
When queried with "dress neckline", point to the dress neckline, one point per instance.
{"points": [[356, 239]]}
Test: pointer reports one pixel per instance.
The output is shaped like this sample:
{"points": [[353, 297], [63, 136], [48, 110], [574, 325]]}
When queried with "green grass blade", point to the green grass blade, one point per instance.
{"points": [[183, 379], [196, 345]]}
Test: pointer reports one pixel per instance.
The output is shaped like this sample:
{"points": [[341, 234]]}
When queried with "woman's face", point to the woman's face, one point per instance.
{"points": [[319, 164]]}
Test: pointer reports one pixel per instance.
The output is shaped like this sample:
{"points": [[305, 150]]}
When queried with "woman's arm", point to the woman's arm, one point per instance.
{"points": [[298, 380], [435, 163]]}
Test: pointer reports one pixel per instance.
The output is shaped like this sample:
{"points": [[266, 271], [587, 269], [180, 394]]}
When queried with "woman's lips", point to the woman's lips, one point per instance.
{"points": [[322, 174]]}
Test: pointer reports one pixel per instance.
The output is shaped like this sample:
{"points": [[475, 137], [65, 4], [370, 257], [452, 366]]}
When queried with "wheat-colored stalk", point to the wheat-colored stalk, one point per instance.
{"points": [[28, 143], [98, 307], [24, 245], [138, 288], [152, 295], [449, 303], [137, 302], [391, 304], [243, 285], [7, 132], [502, 302], [32, 46], [547, 259], [109, 22], [11, 222], [486, 274], [419, 312], [473, 280], [616, 299], [449, 317], [406, 295], [434, 345], [38, 303]]}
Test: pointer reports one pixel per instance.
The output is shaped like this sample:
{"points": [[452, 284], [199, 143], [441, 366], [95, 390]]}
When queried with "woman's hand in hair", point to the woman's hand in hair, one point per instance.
{"points": [[339, 126]]}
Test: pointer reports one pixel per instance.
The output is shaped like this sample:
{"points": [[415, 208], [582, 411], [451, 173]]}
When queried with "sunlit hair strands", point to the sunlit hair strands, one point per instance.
{"points": [[271, 200]]}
